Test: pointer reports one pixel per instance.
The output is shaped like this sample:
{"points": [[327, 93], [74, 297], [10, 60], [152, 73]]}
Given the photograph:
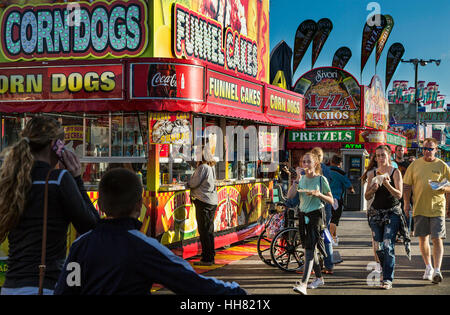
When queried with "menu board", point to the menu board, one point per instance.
{"points": [[170, 128]]}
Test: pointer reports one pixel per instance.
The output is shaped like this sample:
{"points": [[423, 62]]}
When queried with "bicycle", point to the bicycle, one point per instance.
{"points": [[285, 243], [276, 207]]}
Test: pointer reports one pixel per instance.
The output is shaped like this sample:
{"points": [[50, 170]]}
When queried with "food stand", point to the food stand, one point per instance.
{"points": [[345, 118], [132, 88]]}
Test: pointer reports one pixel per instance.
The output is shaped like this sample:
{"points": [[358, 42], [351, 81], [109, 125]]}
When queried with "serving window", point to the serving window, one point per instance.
{"points": [[101, 141]]}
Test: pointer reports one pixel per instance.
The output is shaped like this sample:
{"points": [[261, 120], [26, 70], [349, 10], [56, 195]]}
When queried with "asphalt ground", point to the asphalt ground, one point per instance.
{"points": [[353, 276]]}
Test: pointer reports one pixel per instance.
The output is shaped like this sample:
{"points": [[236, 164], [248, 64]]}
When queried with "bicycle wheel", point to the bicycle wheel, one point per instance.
{"points": [[263, 248], [286, 250]]}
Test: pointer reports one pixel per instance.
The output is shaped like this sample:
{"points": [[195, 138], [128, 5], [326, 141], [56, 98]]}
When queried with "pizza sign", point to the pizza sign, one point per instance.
{"points": [[332, 97]]}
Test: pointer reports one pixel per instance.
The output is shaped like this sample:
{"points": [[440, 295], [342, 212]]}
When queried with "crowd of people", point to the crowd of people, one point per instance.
{"points": [[38, 202]]}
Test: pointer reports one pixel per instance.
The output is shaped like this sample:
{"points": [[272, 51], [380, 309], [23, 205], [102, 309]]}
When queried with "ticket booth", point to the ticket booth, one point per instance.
{"points": [[354, 159]]}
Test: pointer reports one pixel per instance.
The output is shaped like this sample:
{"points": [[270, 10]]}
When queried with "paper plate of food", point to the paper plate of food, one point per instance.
{"points": [[304, 190], [439, 185]]}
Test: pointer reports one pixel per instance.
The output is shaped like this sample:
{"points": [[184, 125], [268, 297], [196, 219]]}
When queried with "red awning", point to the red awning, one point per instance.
{"points": [[147, 84]]}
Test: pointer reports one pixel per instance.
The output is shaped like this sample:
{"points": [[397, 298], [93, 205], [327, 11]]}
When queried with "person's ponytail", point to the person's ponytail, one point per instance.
{"points": [[15, 182]]}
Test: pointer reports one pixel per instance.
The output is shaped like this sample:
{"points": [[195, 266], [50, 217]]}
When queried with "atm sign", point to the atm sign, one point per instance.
{"points": [[353, 146]]}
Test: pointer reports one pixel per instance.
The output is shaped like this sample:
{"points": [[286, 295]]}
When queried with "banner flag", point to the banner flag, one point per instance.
{"points": [[384, 37], [280, 66], [341, 57], [371, 34], [303, 37], [394, 57], [324, 27]]}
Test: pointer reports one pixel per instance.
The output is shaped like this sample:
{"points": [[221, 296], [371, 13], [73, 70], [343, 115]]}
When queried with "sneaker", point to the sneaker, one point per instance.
{"points": [[428, 275], [300, 287], [387, 285], [203, 263], [316, 283], [437, 277]]}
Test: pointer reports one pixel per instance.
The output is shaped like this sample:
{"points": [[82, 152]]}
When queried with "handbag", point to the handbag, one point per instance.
{"points": [[276, 224], [43, 266]]}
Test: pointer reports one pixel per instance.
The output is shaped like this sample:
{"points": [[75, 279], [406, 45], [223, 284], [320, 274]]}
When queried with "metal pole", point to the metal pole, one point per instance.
{"points": [[416, 69]]}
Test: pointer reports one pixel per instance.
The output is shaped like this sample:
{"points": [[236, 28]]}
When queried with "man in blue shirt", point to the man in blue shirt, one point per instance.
{"points": [[339, 183]]}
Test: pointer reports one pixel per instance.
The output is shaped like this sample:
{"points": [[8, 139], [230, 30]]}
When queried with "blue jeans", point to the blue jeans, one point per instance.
{"points": [[24, 291], [386, 235], [328, 261]]}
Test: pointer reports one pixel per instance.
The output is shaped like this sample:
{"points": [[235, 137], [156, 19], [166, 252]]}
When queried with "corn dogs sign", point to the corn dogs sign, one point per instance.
{"points": [[67, 83], [76, 30]]}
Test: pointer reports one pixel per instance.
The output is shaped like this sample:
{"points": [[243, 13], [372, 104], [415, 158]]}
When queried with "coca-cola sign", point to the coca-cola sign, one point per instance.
{"points": [[160, 79], [166, 81]]}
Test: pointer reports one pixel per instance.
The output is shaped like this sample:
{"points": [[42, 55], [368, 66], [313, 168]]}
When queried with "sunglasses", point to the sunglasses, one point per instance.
{"points": [[428, 149]]}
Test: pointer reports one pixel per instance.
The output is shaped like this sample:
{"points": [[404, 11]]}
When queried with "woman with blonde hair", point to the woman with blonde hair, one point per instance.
{"points": [[314, 191], [28, 165]]}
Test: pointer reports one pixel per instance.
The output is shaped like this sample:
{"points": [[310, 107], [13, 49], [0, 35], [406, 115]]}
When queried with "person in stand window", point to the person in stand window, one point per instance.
{"points": [[204, 195], [22, 184], [116, 258], [385, 213]]}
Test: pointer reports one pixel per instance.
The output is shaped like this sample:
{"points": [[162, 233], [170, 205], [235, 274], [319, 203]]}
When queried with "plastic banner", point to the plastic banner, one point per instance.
{"points": [[370, 37], [384, 37], [280, 66], [324, 27], [341, 57], [394, 57], [303, 37]]}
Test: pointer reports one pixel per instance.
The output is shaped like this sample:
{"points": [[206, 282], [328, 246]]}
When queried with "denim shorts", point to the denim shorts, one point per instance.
{"points": [[434, 226], [24, 291]]}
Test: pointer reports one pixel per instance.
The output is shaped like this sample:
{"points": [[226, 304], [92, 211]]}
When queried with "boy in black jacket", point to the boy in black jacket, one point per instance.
{"points": [[116, 258]]}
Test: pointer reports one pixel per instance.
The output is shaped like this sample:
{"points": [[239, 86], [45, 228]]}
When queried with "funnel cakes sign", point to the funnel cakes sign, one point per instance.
{"points": [[201, 38], [74, 30]]}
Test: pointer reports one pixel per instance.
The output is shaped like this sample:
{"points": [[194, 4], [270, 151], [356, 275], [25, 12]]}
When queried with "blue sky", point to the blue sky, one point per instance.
{"points": [[421, 26]]}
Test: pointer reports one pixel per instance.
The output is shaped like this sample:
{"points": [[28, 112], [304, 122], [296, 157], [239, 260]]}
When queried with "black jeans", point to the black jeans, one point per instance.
{"points": [[204, 213]]}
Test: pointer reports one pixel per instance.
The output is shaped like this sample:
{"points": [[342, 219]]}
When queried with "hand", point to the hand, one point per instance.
{"points": [[386, 181], [313, 193], [71, 163], [373, 189], [406, 208]]}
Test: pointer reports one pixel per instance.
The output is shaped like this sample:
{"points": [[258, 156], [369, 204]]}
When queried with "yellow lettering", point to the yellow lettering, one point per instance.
{"points": [[59, 82]]}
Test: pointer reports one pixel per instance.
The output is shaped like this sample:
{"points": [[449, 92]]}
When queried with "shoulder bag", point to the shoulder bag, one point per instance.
{"points": [[43, 266]]}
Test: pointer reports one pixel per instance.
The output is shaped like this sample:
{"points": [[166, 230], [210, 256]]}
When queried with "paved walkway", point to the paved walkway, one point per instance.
{"points": [[350, 276]]}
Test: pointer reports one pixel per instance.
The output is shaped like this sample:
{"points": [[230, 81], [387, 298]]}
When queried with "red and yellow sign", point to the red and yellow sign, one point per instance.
{"points": [[239, 205], [231, 92], [284, 104], [233, 34], [66, 83], [80, 29]]}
